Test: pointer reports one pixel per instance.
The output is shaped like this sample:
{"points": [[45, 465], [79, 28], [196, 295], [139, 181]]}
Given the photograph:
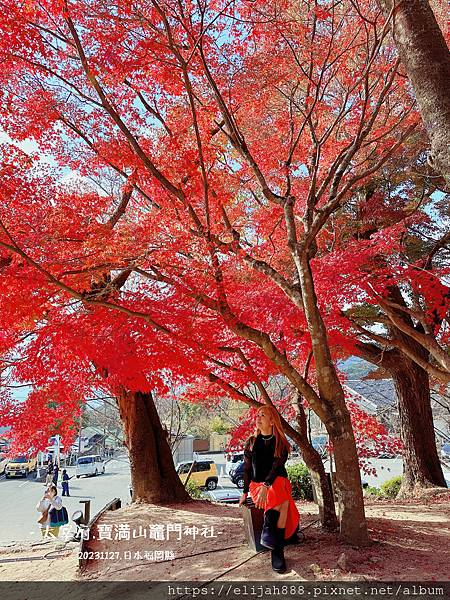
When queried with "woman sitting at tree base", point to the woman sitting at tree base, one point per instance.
{"points": [[266, 478]]}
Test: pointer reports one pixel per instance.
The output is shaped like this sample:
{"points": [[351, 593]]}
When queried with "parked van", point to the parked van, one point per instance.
{"points": [[20, 466], [90, 465], [204, 473]]}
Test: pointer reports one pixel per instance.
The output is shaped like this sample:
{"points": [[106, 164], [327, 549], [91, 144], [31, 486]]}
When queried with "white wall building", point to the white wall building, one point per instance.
{"points": [[183, 448]]}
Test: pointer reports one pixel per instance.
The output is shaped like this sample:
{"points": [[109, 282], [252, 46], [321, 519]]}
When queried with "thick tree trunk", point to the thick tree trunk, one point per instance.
{"points": [[421, 463], [422, 468], [324, 493], [350, 501], [313, 460], [424, 53], [153, 475], [351, 515]]}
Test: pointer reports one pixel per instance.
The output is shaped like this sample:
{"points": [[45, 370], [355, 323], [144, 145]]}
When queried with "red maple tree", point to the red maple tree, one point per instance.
{"points": [[222, 138]]}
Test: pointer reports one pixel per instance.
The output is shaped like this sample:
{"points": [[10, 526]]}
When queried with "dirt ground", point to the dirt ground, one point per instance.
{"points": [[410, 541], [50, 561]]}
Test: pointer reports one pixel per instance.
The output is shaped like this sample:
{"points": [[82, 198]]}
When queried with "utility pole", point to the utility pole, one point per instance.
{"points": [[79, 434], [104, 429], [58, 450]]}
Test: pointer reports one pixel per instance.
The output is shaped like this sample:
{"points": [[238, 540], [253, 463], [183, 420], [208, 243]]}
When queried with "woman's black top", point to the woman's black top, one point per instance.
{"points": [[260, 463]]}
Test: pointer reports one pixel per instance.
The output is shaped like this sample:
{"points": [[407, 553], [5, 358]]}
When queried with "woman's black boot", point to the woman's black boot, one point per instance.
{"points": [[269, 530], [278, 562]]}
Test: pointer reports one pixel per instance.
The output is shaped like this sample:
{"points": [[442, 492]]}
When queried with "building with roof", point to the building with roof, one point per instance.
{"points": [[377, 397]]}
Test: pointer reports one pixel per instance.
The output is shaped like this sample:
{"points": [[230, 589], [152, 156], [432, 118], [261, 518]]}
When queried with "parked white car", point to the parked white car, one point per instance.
{"points": [[90, 465], [3, 463], [232, 461]]}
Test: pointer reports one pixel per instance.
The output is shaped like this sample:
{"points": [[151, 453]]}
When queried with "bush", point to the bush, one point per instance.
{"points": [[391, 487], [219, 426], [372, 491], [193, 490], [301, 482]]}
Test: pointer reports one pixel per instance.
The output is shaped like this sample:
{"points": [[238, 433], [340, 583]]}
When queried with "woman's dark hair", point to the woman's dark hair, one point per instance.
{"points": [[53, 488]]}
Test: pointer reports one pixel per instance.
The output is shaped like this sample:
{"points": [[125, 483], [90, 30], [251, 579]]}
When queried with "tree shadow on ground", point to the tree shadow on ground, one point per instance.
{"points": [[415, 548], [412, 548]]}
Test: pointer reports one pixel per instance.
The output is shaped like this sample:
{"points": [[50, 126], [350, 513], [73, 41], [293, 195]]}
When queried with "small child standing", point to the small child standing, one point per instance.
{"points": [[49, 475], [65, 483]]}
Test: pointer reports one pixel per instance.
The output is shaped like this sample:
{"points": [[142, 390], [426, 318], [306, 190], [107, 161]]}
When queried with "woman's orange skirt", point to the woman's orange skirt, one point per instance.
{"points": [[278, 492]]}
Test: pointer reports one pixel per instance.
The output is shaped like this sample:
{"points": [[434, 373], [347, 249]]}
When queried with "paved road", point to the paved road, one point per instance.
{"points": [[18, 499], [386, 468]]}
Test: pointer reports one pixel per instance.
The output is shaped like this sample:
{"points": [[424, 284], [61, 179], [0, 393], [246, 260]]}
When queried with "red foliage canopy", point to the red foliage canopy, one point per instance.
{"points": [[193, 120]]}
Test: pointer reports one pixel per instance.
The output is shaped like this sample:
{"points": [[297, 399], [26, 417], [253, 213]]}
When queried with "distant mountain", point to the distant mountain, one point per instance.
{"points": [[355, 367]]}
